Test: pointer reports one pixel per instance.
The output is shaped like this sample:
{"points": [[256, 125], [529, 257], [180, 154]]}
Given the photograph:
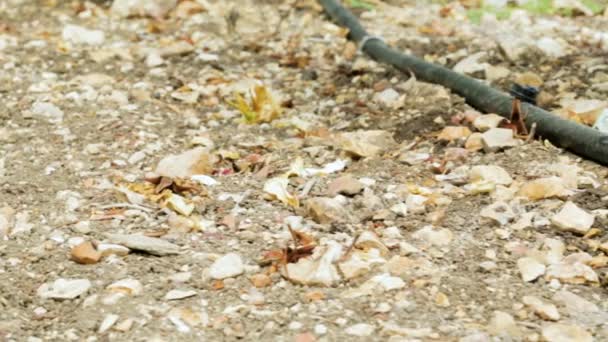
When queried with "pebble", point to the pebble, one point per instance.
{"points": [[107, 323], [490, 173], [64, 288], [360, 329], [504, 324], [154, 246], [366, 143], [260, 280], [179, 294], [496, 139], [388, 97], [437, 237], [112, 249], [345, 185], [80, 35], [544, 310], [573, 219], [451, 133], [227, 266], [85, 253], [326, 210], [557, 332], [147, 8], [128, 286], [542, 188], [530, 268]]}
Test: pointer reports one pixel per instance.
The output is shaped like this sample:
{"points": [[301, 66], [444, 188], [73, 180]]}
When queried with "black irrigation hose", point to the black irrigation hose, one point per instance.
{"points": [[582, 140]]}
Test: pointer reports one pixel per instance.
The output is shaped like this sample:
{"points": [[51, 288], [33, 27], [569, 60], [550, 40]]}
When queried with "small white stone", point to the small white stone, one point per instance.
{"points": [[497, 138], [80, 35], [228, 266], [64, 288], [546, 311], [572, 218], [107, 323], [320, 329], [128, 286], [388, 97], [295, 325], [179, 294], [530, 268], [490, 173], [360, 330]]}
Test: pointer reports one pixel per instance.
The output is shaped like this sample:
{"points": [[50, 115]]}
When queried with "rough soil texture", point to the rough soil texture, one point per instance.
{"points": [[81, 117]]}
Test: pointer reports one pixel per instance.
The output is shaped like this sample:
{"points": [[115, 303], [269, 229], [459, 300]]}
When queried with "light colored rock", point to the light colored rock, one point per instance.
{"points": [[496, 139], [579, 309], [490, 173], [400, 209], [179, 294], [573, 219], [360, 262], [437, 237], [107, 323], [344, 185], [416, 204], [143, 243], [572, 273], [360, 330], [471, 64], [80, 35], [542, 188], [368, 240], [227, 266], [326, 210], [451, 133], [487, 121], [366, 143], [474, 142], [496, 72], [530, 268], [504, 324], [128, 286], [500, 212], [389, 98], [48, 111], [192, 162], [544, 310], [557, 332], [64, 288], [147, 8], [554, 48], [109, 248], [321, 271]]}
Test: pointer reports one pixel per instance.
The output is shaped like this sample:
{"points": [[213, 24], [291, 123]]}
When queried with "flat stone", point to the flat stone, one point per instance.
{"points": [[496, 139], [326, 210], [227, 266], [558, 332], [154, 246], [85, 253], [544, 310], [487, 121], [573, 219], [572, 273], [547, 187], [490, 173], [530, 268], [345, 185], [64, 288], [179, 294], [360, 330]]}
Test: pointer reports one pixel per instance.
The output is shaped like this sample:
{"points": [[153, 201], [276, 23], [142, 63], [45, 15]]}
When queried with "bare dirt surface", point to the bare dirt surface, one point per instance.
{"points": [[402, 236]]}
